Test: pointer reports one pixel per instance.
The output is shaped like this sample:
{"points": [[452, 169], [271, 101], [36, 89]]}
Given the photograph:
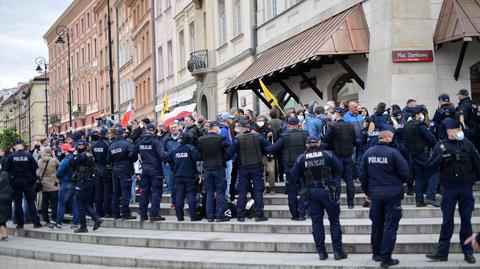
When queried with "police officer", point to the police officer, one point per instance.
{"points": [[212, 150], [319, 169], [445, 110], [457, 159], [22, 167], [292, 145], [398, 121], [249, 148], [184, 169], [342, 139], [83, 167], [419, 140], [103, 176], [118, 156], [151, 154], [470, 117], [382, 175]]}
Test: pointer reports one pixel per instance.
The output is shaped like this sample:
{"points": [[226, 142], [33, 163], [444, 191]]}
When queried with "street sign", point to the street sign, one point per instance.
{"points": [[400, 56]]}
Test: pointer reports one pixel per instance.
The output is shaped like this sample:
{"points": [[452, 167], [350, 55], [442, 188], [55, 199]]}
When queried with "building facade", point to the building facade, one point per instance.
{"points": [[80, 19]]}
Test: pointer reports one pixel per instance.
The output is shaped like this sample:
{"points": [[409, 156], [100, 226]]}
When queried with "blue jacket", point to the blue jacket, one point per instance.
{"points": [[100, 150], [225, 131], [315, 127], [64, 171], [437, 157], [184, 164], [331, 161], [119, 156], [383, 171], [151, 152], [357, 121], [22, 166]]}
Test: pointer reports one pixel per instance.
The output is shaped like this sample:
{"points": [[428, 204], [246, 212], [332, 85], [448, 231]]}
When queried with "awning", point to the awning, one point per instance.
{"points": [[343, 34], [458, 20]]}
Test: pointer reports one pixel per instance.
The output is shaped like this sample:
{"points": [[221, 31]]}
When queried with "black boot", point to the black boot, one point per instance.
{"points": [[323, 256], [391, 262], [437, 257], [340, 255], [470, 259]]}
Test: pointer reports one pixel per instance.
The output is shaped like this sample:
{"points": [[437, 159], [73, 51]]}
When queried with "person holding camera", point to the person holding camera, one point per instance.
{"points": [[48, 165]]}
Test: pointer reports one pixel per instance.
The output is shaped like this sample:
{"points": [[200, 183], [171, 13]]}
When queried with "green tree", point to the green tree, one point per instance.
{"points": [[8, 137]]}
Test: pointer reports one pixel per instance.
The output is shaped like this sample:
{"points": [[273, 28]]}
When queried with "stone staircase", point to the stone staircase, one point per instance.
{"points": [[278, 243]]}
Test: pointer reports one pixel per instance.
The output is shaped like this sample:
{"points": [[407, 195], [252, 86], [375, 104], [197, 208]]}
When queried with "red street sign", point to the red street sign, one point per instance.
{"points": [[400, 56]]}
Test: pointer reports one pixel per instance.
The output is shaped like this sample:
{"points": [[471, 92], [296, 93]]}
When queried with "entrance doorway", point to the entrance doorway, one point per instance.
{"points": [[475, 82], [345, 89], [204, 106]]}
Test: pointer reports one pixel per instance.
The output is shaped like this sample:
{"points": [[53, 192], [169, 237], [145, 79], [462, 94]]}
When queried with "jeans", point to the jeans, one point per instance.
{"points": [[20, 188], [66, 194], [228, 176], [215, 184], [49, 200], [167, 173], [85, 192], [186, 187], [152, 186], [385, 215]]}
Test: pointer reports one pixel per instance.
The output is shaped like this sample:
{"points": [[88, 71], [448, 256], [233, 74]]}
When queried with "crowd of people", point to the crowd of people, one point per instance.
{"points": [[215, 164]]}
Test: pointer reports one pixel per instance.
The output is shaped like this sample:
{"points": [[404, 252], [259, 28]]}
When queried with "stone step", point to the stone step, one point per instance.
{"points": [[227, 241], [359, 212], [282, 199], [138, 257], [283, 226]]}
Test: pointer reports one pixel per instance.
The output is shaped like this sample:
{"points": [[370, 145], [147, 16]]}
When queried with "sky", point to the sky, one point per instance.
{"points": [[22, 25]]}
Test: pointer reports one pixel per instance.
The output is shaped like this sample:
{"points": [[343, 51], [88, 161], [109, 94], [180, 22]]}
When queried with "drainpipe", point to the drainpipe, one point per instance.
{"points": [[253, 45], [154, 60], [118, 65]]}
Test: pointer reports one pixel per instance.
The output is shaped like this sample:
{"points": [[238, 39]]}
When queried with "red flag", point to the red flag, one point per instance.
{"points": [[127, 117]]}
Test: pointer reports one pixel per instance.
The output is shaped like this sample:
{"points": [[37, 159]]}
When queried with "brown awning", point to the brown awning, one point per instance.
{"points": [[343, 34], [459, 19]]}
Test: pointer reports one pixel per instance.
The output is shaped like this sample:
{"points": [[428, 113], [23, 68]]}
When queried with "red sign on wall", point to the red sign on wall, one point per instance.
{"points": [[400, 56]]}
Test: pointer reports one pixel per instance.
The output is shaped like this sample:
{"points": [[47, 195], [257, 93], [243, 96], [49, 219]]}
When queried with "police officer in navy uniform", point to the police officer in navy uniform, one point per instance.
{"points": [[445, 110], [383, 172], [250, 148], [419, 141], [22, 167], [103, 176], [457, 159], [318, 168], [468, 109], [184, 170], [292, 145], [122, 171], [83, 167], [342, 139], [151, 152], [212, 150]]}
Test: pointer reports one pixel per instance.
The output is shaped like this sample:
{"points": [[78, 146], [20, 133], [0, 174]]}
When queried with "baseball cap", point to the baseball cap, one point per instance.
{"points": [[463, 92], [214, 123], [151, 127], [311, 139], [339, 110], [293, 121], [226, 116], [444, 97], [67, 147], [244, 123], [451, 123]]}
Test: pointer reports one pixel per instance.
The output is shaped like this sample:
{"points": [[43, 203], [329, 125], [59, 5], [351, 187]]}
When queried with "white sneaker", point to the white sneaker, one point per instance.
{"points": [[55, 226], [74, 226]]}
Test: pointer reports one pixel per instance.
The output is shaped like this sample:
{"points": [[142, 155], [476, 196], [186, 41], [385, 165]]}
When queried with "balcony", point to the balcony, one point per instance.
{"points": [[79, 111], [198, 62], [55, 119]]}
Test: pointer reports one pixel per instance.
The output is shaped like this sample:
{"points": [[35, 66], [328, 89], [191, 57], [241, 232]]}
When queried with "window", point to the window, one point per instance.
{"points": [[168, 4], [81, 26], [96, 89], [88, 53], [158, 7], [204, 29], [293, 2], [237, 17], [181, 49], [191, 28], [89, 92], [160, 63], [272, 8], [222, 22], [83, 56], [95, 47], [88, 20], [170, 57]]}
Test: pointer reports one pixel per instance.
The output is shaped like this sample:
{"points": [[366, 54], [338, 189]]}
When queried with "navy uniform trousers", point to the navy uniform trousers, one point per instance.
{"points": [[462, 194], [296, 204], [152, 186], [85, 194], [215, 185], [247, 177], [103, 190], [385, 215], [186, 187], [122, 194], [320, 201]]}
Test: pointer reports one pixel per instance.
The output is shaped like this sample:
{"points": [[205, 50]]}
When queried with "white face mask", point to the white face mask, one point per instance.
{"points": [[422, 117], [460, 136], [301, 118], [260, 123], [141, 125]]}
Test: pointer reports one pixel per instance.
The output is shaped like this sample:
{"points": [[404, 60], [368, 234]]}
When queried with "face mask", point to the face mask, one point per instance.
{"points": [[140, 125], [422, 117], [460, 136], [300, 118], [260, 124], [187, 124], [237, 130]]}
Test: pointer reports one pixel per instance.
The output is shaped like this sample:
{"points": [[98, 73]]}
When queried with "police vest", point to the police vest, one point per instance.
{"points": [[344, 135], [212, 151], [250, 150], [293, 145], [414, 139], [457, 164], [315, 168], [85, 170]]}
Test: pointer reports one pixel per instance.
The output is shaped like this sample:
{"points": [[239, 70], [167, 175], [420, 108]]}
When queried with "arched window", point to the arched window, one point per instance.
{"points": [[204, 106], [345, 88]]}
